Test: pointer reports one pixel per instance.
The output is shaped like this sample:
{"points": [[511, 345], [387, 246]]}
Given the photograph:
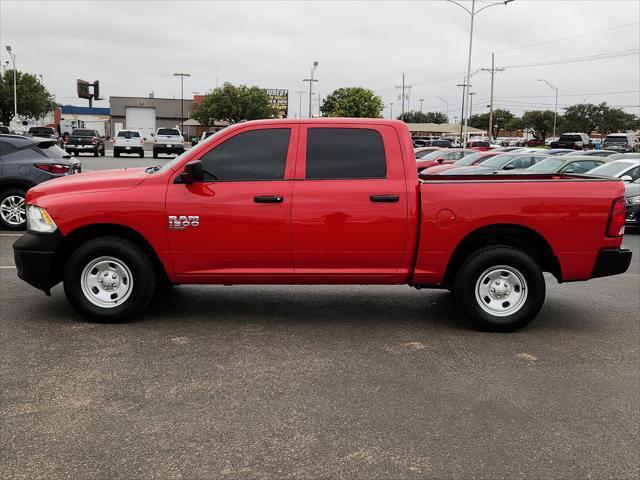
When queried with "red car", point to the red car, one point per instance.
{"points": [[445, 155], [479, 145], [318, 201], [467, 161]]}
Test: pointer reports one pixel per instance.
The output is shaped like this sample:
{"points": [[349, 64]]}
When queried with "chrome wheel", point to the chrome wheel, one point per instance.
{"points": [[13, 210], [106, 282], [501, 290]]}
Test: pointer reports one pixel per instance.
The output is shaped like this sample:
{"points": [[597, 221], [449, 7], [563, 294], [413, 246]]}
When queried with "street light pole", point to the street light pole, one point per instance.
{"points": [[311, 80], [421, 100], [182, 75], [555, 111], [472, 13], [391, 113], [15, 84], [447, 104]]}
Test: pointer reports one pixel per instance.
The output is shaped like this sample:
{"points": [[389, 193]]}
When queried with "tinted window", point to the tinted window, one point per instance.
{"points": [[84, 133], [6, 148], [168, 131], [52, 150], [634, 173], [252, 155], [345, 153], [611, 169], [128, 134], [570, 138], [522, 162], [581, 166]]}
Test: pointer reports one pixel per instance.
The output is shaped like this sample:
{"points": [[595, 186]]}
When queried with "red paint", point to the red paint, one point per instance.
{"points": [[328, 231]]}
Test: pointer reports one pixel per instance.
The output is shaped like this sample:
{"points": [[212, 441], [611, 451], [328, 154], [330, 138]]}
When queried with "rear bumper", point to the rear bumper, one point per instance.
{"points": [[612, 262], [171, 149], [128, 149], [35, 259]]}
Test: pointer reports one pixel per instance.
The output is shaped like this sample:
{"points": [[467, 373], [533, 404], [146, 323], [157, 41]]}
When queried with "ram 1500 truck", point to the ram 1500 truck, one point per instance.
{"points": [[318, 201]]}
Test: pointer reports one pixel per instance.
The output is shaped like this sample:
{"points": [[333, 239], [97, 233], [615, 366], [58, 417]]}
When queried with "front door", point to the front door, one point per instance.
{"points": [[235, 226]]}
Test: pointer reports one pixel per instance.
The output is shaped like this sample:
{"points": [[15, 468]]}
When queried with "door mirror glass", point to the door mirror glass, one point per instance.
{"points": [[569, 170], [192, 172], [509, 166]]}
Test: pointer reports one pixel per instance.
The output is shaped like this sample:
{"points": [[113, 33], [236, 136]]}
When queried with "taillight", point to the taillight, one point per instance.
{"points": [[141, 141], [94, 140], [616, 218], [54, 168]]}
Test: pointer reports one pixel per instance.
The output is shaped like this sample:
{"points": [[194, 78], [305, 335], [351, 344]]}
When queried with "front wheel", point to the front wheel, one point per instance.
{"points": [[500, 288], [13, 212], [108, 279]]}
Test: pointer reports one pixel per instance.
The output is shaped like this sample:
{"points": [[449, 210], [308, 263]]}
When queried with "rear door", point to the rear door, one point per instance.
{"points": [[235, 227], [349, 217]]}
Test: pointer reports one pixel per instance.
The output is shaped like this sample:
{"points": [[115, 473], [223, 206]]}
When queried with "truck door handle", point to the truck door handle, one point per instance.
{"points": [[385, 198], [268, 199]]}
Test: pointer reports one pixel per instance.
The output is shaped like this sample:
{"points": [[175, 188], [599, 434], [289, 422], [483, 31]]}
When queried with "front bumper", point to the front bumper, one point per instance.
{"points": [[612, 262], [35, 256]]}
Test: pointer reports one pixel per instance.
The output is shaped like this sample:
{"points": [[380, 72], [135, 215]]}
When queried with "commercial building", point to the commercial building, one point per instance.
{"points": [[146, 114], [419, 130], [96, 118]]}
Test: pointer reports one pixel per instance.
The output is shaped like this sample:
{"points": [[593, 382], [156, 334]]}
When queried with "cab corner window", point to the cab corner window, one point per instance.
{"points": [[250, 155], [343, 153]]}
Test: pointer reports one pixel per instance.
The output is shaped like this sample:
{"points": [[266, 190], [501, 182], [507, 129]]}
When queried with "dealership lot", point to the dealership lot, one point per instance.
{"points": [[319, 382]]}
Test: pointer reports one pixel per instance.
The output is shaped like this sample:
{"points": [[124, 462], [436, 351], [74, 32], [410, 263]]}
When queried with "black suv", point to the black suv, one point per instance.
{"points": [[24, 163]]}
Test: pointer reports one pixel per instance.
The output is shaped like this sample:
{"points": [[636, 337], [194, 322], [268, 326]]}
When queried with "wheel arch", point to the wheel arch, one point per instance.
{"points": [[518, 236], [97, 230]]}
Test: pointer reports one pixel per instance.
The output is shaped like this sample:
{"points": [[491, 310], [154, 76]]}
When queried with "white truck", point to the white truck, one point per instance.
{"points": [[168, 140], [128, 141]]}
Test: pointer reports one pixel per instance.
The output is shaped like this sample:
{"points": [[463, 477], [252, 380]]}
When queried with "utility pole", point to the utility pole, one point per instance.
{"points": [[311, 80], [391, 114], [15, 85], [471, 94], [403, 96], [555, 111], [447, 104], [300, 93], [492, 70], [182, 75], [462, 119], [421, 100]]}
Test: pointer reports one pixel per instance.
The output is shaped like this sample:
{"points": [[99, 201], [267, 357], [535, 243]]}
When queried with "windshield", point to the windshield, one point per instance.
{"points": [[472, 159], [616, 139], [433, 155], [498, 161], [83, 133], [611, 169], [171, 165], [570, 138], [168, 131], [128, 134], [550, 165], [41, 131], [52, 150]]}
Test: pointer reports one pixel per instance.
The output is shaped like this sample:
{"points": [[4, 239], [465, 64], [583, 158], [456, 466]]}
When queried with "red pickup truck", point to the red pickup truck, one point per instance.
{"points": [[318, 201]]}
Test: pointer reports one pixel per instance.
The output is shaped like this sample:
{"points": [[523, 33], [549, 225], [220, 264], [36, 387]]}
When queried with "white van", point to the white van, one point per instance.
{"points": [[621, 142]]}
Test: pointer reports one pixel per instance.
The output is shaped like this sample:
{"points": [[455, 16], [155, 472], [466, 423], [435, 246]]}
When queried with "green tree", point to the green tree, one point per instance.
{"points": [[233, 104], [540, 121], [34, 100], [501, 119], [514, 124], [352, 102], [419, 117], [582, 117]]}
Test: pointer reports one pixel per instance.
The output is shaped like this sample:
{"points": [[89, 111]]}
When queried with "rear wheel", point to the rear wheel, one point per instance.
{"points": [[141, 154], [107, 279], [76, 153], [13, 212], [500, 288], [96, 152], [155, 154], [116, 153], [103, 152]]}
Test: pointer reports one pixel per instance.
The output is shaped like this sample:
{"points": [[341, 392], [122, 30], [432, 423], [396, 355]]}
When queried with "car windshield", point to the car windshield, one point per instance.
{"points": [[498, 161], [83, 133], [611, 169], [41, 131], [570, 138], [128, 134], [550, 165], [52, 150], [616, 139], [472, 159], [168, 131], [433, 155]]}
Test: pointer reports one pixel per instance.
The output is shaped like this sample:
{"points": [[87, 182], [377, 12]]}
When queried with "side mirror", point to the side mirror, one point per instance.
{"points": [[569, 170], [509, 167], [626, 178], [193, 172]]}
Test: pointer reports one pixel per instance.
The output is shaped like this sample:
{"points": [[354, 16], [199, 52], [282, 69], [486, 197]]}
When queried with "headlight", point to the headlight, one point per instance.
{"points": [[38, 220], [633, 200]]}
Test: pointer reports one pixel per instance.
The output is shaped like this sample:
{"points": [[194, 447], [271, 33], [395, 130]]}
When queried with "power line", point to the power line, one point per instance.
{"points": [[575, 94], [586, 58]]}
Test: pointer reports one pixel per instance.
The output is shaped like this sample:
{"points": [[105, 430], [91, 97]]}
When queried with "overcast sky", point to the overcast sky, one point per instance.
{"points": [[134, 47]]}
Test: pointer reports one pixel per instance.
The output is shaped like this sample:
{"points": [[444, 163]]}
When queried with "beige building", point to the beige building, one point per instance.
{"points": [[442, 130]]}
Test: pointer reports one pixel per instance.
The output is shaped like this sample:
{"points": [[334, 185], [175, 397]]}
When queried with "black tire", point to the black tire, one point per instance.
{"points": [[103, 152], [142, 278], [116, 153], [478, 266], [155, 154], [96, 152], [141, 154], [11, 223], [76, 153]]}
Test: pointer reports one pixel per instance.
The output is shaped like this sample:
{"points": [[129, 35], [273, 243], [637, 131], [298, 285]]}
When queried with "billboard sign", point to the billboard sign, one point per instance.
{"points": [[280, 100]]}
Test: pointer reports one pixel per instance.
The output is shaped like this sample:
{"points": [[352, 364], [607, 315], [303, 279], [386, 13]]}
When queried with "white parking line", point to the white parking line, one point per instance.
{"points": [[7, 266], [10, 234]]}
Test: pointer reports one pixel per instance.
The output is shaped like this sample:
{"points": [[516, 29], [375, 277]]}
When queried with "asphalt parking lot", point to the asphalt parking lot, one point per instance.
{"points": [[319, 382]]}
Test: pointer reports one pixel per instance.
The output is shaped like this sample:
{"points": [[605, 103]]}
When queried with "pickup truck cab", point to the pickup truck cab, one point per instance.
{"points": [[168, 140], [129, 142], [85, 140], [573, 141], [318, 201]]}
